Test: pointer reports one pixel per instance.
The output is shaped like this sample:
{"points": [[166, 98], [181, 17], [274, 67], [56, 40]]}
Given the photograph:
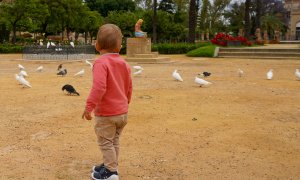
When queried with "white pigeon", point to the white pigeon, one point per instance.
{"points": [[41, 43], [240, 72], [138, 72], [23, 73], [48, 44], [17, 78], [72, 44], [138, 67], [89, 63], [177, 76], [297, 74], [20, 67], [202, 82], [52, 44], [39, 69], [23, 81], [80, 73], [270, 74]]}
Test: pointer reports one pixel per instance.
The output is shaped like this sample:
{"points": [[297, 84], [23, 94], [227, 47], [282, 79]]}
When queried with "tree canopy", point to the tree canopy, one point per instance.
{"points": [[167, 20]]}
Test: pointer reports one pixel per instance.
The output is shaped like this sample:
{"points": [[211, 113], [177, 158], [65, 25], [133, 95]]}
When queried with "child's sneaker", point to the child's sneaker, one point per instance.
{"points": [[97, 169], [105, 174]]}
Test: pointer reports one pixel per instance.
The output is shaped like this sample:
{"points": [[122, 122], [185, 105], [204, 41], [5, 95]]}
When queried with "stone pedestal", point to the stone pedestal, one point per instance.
{"points": [[138, 46], [139, 50]]}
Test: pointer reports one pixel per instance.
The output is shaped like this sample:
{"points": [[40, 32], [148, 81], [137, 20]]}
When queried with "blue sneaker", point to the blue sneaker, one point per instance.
{"points": [[105, 174], [97, 169]]}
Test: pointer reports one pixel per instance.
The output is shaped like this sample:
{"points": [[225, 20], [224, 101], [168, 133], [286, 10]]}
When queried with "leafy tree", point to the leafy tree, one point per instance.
{"points": [[217, 9], [167, 29], [181, 5], [72, 8], [38, 15], [104, 6], [144, 4], [17, 14], [4, 32], [216, 13], [271, 22], [125, 20], [203, 20], [88, 22], [167, 5], [235, 17], [275, 7]]}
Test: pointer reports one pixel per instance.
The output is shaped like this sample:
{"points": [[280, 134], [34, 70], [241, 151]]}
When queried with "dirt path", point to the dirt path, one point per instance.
{"points": [[239, 128]]}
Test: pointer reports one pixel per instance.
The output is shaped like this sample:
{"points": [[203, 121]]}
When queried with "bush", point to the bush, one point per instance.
{"points": [[8, 48], [222, 39], [206, 51], [176, 48], [23, 40]]}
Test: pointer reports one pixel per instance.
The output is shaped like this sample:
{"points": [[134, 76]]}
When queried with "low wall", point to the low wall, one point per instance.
{"points": [[59, 52]]}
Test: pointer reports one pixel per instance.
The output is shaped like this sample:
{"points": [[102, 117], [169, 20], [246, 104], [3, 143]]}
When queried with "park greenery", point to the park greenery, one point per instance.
{"points": [[166, 21]]}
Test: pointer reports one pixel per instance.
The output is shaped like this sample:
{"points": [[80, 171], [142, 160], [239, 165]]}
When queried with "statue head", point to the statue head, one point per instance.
{"points": [[140, 21]]}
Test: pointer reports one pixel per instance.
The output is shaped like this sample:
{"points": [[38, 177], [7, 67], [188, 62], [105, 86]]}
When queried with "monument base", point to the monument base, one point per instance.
{"points": [[139, 50]]}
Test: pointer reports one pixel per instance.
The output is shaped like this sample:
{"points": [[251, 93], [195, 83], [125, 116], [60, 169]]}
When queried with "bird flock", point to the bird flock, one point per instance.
{"points": [[61, 71], [204, 83], [138, 70]]}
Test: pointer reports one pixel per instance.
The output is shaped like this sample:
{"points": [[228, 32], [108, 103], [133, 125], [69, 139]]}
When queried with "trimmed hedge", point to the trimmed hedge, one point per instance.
{"points": [[206, 51], [8, 48], [176, 48]]}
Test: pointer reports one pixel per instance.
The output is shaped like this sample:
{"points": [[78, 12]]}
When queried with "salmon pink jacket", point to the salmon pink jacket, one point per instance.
{"points": [[112, 86]]}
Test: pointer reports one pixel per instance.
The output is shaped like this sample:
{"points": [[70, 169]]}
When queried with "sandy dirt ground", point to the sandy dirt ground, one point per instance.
{"points": [[238, 128]]}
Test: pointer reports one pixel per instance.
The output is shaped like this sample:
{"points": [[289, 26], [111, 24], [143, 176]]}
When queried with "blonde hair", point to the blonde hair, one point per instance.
{"points": [[109, 36], [140, 21]]}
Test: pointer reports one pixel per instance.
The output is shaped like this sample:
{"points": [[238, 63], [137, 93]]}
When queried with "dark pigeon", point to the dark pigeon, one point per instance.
{"points": [[70, 89], [206, 74], [62, 72], [59, 67]]}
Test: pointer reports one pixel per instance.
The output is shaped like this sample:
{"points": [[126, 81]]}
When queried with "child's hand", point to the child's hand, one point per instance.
{"points": [[86, 115]]}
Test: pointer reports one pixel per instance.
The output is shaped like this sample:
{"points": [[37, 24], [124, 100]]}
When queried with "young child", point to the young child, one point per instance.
{"points": [[109, 99], [138, 32]]}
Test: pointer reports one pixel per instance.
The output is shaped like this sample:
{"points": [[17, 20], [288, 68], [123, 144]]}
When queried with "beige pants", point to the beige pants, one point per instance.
{"points": [[108, 130]]}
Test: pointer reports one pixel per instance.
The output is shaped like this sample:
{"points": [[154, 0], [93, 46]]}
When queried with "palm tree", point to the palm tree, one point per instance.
{"points": [[271, 22], [247, 18], [192, 21], [258, 13], [154, 25]]}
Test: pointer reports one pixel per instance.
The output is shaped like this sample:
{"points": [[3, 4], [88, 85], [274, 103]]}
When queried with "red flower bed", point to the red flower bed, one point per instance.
{"points": [[222, 39]]}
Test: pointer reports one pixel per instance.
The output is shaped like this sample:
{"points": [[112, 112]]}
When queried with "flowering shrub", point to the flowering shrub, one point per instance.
{"points": [[222, 39]]}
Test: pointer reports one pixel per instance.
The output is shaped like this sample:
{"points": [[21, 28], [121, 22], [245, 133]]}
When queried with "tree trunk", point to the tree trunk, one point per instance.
{"points": [[85, 37], [14, 34], [258, 13], [154, 25], [247, 18], [76, 36], [68, 34], [192, 21], [91, 36]]}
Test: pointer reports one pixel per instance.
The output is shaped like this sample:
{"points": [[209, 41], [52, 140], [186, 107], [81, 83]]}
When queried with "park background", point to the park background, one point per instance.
{"points": [[238, 128]]}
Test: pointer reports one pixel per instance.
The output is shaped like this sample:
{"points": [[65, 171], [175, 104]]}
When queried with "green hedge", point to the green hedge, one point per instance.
{"points": [[206, 51], [176, 48], [8, 48]]}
